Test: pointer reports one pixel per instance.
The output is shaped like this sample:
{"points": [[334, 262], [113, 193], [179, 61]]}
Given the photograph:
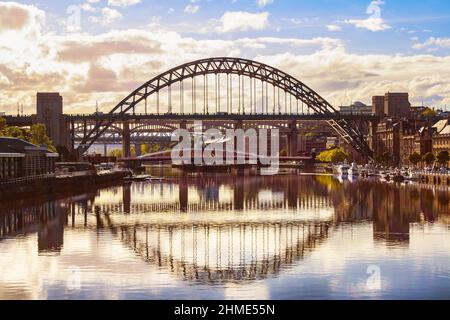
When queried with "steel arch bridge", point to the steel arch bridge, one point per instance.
{"points": [[252, 101]]}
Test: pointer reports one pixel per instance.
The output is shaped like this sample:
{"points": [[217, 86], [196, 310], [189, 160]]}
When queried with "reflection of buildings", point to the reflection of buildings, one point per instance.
{"points": [[47, 219], [255, 228]]}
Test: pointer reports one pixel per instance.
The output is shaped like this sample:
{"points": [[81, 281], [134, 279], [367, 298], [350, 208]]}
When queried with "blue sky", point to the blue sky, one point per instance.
{"points": [[409, 21], [102, 49]]}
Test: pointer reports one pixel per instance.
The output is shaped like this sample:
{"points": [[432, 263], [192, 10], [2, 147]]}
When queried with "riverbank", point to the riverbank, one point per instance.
{"points": [[57, 184]]}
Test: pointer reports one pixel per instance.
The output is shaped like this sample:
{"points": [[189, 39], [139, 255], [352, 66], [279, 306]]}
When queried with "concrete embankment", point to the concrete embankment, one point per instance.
{"points": [[32, 188]]}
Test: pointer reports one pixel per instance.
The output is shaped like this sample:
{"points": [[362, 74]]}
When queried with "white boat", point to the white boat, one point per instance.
{"points": [[342, 170], [410, 175], [353, 170]]}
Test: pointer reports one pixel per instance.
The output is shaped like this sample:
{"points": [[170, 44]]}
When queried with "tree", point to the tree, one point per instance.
{"points": [[383, 158], [443, 157], [415, 158], [117, 153], [14, 132], [38, 136], [2, 125], [333, 155], [429, 158], [145, 148], [429, 113]]}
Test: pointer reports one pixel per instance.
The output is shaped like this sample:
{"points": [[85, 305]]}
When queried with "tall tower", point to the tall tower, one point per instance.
{"points": [[378, 106], [396, 104], [49, 111]]}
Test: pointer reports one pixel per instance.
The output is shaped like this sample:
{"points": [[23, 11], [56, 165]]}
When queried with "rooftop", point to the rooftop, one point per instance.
{"points": [[441, 124], [18, 146]]}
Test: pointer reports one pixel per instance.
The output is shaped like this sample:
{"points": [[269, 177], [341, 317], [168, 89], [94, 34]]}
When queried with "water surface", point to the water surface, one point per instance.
{"points": [[228, 237]]}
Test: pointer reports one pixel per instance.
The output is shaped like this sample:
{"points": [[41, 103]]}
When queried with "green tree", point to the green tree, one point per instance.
{"points": [[383, 158], [429, 158], [145, 148], [2, 125], [15, 132], [333, 155], [429, 113], [443, 157], [415, 158], [38, 136], [115, 153]]}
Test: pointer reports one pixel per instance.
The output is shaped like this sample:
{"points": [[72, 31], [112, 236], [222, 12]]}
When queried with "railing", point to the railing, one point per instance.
{"points": [[28, 179]]}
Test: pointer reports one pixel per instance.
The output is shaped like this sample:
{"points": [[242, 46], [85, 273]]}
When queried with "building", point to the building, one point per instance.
{"points": [[332, 142], [420, 142], [378, 106], [19, 158], [441, 126], [386, 139], [357, 108], [441, 138], [49, 111], [396, 105]]}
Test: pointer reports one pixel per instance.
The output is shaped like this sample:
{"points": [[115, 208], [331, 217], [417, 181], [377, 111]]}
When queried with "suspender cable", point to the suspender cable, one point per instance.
{"points": [[290, 103], [228, 93], [215, 83], [267, 97], [239, 111], [285, 102], [204, 93], [273, 98], [251, 97], [193, 96], [231, 93], [279, 104], [181, 97], [254, 92], [207, 94], [169, 98], [157, 102]]}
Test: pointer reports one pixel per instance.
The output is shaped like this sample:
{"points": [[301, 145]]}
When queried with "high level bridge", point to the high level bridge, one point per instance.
{"points": [[224, 93]]}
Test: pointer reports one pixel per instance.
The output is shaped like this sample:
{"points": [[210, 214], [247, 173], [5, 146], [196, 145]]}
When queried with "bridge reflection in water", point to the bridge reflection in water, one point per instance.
{"points": [[215, 229]]}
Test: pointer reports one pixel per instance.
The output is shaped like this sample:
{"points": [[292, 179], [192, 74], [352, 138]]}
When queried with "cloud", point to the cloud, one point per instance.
{"points": [[79, 49], [232, 21], [334, 27], [108, 17], [123, 3], [373, 23], [106, 66], [263, 3], [342, 77], [262, 42], [20, 18], [433, 44], [191, 8]]}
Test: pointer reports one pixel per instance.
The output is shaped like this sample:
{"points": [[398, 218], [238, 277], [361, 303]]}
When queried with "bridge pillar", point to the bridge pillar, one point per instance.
{"points": [[183, 193], [126, 197], [126, 137], [137, 148], [239, 193], [292, 139], [292, 193]]}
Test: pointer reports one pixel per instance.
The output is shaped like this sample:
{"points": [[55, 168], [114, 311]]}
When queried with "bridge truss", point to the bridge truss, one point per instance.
{"points": [[252, 89]]}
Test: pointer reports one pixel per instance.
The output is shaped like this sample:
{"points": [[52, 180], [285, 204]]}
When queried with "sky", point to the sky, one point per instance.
{"points": [[101, 50]]}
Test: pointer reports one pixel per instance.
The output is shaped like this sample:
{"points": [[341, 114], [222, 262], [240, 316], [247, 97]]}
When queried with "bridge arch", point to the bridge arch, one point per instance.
{"points": [[231, 66]]}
